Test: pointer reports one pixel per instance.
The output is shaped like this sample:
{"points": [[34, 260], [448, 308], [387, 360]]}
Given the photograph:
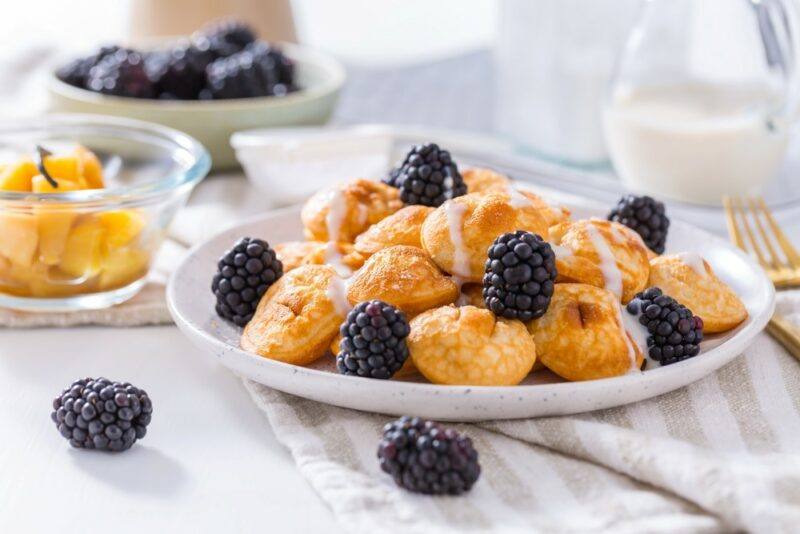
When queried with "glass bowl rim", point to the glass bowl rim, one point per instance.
{"points": [[197, 169]]}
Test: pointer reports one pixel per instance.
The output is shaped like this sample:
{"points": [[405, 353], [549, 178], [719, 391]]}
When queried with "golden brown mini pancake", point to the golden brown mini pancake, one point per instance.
{"points": [[480, 180], [690, 280], [344, 211], [296, 318], [470, 346], [581, 337], [601, 253], [458, 234], [403, 276], [296, 253], [401, 228]]}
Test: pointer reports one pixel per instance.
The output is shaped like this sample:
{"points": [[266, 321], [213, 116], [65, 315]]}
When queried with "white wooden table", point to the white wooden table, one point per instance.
{"points": [[209, 462]]}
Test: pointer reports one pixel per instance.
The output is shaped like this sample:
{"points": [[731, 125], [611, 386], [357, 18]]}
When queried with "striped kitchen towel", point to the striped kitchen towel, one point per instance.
{"points": [[722, 454]]}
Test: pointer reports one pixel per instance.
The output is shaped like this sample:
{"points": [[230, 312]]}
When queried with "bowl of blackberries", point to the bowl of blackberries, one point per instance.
{"points": [[219, 80]]}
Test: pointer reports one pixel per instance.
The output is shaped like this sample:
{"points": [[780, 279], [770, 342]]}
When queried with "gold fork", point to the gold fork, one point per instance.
{"points": [[783, 269]]}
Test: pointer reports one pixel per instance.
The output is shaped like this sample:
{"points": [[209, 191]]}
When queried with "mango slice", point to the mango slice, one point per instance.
{"points": [[54, 222], [123, 266], [83, 252], [17, 176], [18, 237], [121, 226], [92, 169]]}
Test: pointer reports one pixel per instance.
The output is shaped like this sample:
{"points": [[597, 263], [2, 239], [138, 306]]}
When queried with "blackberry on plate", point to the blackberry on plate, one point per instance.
{"points": [[258, 70], [520, 276], [244, 274], [96, 413], [427, 176], [122, 73], [674, 332], [644, 215], [373, 341], [180, 72], [76, 72], [226, 37], [425, 457]]}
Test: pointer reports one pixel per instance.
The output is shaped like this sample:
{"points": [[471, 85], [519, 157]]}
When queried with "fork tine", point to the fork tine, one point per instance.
{"points": [[791, 254], [775, 260], [738, 207], [733, 228]]}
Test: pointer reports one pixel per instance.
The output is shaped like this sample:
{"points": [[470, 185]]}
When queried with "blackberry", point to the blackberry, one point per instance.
{"points": [[674, 332], [427, 176], [244, 274], [391, 178], [226, 37], [122, 73], [373, 341], [258, 70], [180, 72], [644, 215], [424, 457], [520, 276], [76, 72], [95, 413]]}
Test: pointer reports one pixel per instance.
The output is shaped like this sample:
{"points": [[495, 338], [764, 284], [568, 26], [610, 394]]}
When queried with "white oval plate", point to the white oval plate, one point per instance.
{"points": [[192, 306]]}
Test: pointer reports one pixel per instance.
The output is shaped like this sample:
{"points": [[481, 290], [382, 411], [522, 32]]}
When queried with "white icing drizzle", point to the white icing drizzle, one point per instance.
{"points": [[337, 209], [626, 324], [335, 259], [608, 264], [337, 292], [517, 199], [462, 299], [560, 252], [455, 219], [695, 261]]}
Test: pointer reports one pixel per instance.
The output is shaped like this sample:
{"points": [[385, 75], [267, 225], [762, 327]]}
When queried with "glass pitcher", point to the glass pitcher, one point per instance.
{"points": [[703, 97]]}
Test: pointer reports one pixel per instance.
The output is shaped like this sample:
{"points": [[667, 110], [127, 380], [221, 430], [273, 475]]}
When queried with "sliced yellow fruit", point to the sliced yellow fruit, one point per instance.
{"points": [[123, 266], [17, 176], [19, 237], [92, 169], [122, 226], [54, 221], [64, 167], [83, 254], [40, 184]]}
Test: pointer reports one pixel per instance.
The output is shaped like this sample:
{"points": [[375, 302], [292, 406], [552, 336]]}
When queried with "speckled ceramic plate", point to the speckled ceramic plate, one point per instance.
{"points": [[541, 394]]}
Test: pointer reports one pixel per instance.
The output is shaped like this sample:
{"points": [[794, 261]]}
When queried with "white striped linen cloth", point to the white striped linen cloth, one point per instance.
{"points": [[719, 455]]}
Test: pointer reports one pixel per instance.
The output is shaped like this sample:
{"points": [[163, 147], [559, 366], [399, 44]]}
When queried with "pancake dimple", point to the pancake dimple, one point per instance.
{"points": [[403, 276], [458, 233], [603, 254], [293, 254], [470, 346], [691, 281], [581, 337], [401, 228], [344, 211], [296, 319]]}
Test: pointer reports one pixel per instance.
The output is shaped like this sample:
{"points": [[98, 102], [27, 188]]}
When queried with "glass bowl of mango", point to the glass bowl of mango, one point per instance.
{"points": [[85, 203]]}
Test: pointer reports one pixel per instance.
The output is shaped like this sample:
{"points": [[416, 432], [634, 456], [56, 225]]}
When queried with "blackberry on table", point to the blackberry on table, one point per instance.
{"points": [[520, 275], [645, 216], [425, 457], [674, 332], [96, 413], [373, 341], [243, 275], [76, 72], [122, 73], [427, 176], [258, 70], [180, 72], [226, 37]]}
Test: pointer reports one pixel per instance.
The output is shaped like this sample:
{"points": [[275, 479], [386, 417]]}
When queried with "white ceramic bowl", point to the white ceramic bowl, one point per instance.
{"points": [[213, 122], [192, 306]]}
